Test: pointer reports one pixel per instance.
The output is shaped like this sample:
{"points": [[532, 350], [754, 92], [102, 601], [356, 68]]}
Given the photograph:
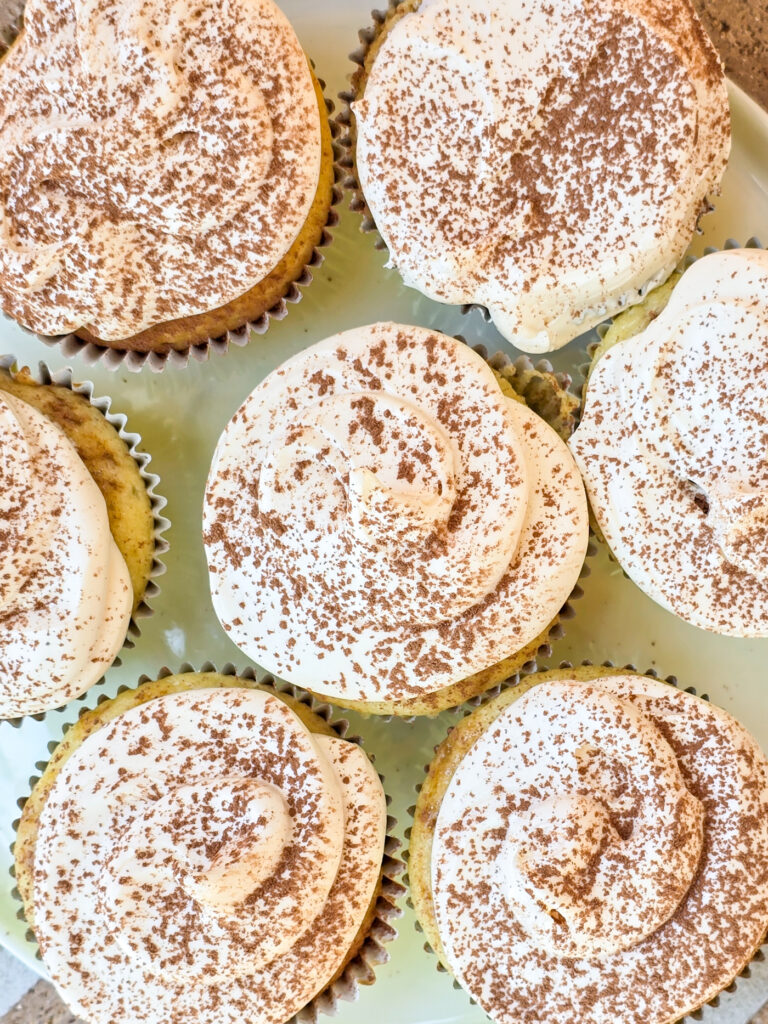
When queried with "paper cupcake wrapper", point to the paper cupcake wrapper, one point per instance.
{"points": [[350, 181], [11, 18], [602, 330], [345, 122], [361, 969], [757, 957], [65, 379]]}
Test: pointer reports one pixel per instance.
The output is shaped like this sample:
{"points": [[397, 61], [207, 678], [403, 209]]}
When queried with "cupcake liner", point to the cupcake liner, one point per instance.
{"points": [[11, 19], [546, 391], [361, 969], [65, 379], [601, 330], [350, 182], [345, 123], [758, 956]]}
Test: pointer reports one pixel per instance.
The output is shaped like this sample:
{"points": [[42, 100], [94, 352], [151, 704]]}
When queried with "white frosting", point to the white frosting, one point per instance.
{"points": [[66, 596], [673, 447], [205, 857], [601, 854], [543, 160], [158, 159], [380, 521]]}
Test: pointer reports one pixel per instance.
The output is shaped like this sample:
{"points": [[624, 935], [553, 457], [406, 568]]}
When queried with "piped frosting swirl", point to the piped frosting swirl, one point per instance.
{"points": [[157, 159], [205, 857], [601, 854], [544, 160], [381, 521], [65, 591], [673, 447]]}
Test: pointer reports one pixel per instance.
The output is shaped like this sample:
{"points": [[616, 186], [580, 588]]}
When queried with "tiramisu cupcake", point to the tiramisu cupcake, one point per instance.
{"points": [[166, 175], [78, 542], [203, 848], [672, 444], [546, 161], [388, 528], [592, 846]]}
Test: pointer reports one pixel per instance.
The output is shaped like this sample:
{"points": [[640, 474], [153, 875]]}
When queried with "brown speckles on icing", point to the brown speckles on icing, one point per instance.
{"points": [[674, 447], [544, 160], [580, 798], [381, 521], [156, 162], [218, 870], [65, 591]]}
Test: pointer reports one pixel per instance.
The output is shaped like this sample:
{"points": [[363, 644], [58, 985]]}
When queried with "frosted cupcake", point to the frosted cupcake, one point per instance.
{"points": [[78, 544], [672, 444], [202, 848], [593, 846], [388, 528], [548, 162], [157, 218]]}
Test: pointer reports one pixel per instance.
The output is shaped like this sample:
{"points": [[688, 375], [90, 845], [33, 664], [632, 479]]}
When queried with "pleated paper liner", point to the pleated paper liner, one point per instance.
{"points": [[347, 136], [65, 379], [759, 954], [11, 23], [361, 968]]}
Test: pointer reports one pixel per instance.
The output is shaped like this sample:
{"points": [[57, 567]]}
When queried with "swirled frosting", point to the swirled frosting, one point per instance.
{"points": [[601, 854], [674, 447], [158, 159], [205, 857], [65, 591], [543, 160], [380, 521]]}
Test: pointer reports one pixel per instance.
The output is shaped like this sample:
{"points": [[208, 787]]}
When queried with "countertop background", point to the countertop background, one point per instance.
{"points": [[740, 31]]}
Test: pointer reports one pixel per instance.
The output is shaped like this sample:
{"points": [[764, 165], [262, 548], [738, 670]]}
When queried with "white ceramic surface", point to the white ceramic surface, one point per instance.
{"points": [[180, 414]]}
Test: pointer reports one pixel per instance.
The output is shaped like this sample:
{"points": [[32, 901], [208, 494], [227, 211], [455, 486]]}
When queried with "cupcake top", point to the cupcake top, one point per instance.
{"points": [[674, 449], [205, 857], [601, 854], [560, 162], [381, 521], [156, 162], [66, 598]]}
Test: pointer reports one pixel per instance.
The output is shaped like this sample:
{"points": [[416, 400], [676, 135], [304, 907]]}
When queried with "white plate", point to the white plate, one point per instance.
{"points": [[180, 414]]}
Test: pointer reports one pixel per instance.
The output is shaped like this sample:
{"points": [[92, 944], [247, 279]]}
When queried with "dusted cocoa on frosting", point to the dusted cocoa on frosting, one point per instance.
{"points": [[601, 855], [546, 160], [381, 521], [673, 447], [205, 857], [157, 160], [65, 590]]}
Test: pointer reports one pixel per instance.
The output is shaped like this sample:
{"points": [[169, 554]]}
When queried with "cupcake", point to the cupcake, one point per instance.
{"points": [[151, 219], [560, 163], [592, 846], [204, 848], [80, 536], [388, 526], [672, 444]]}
